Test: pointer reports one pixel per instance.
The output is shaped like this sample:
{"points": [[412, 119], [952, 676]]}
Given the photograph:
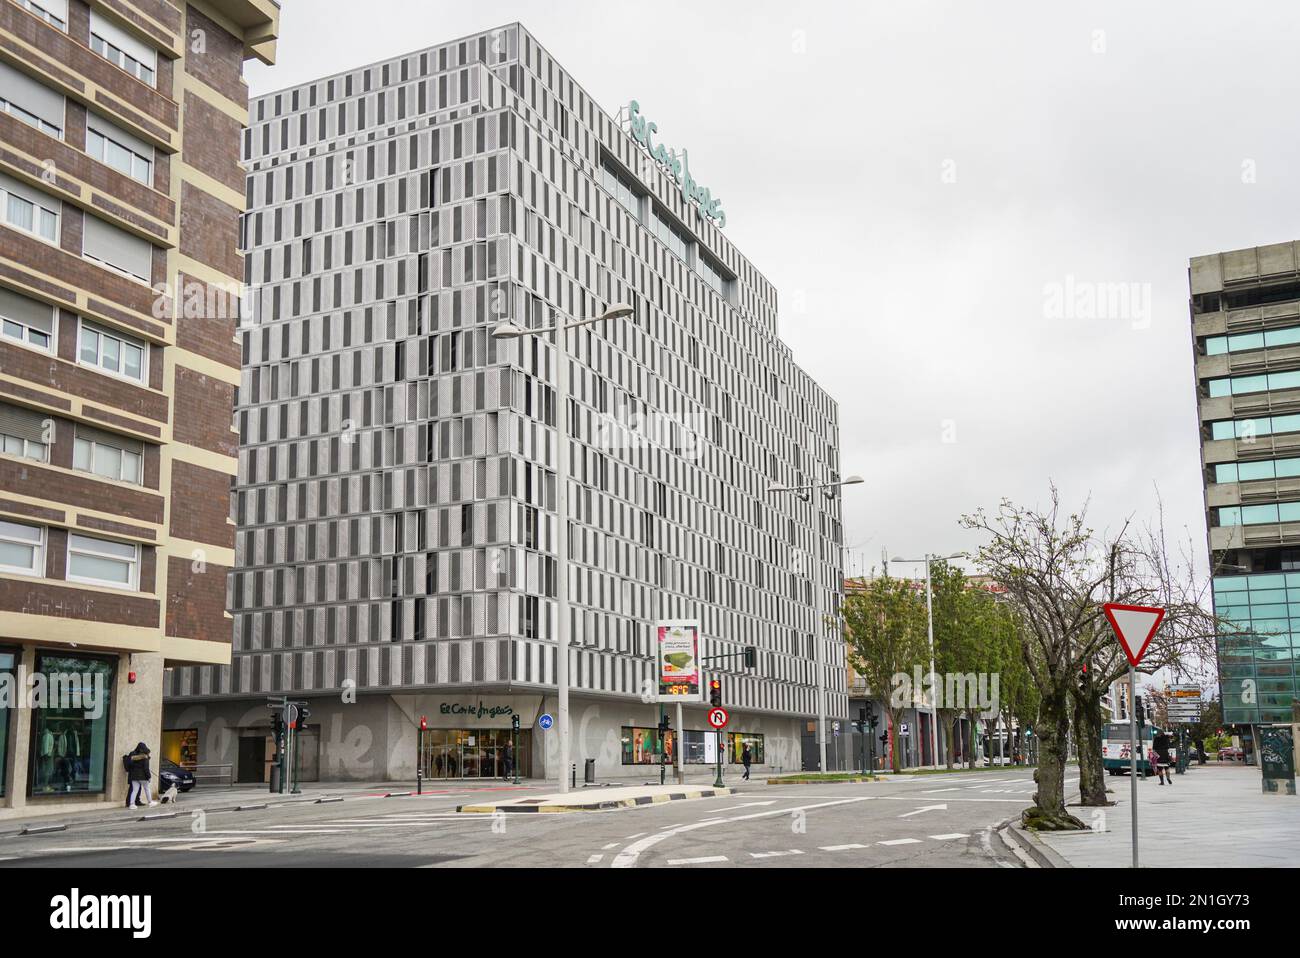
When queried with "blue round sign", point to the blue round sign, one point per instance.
{"points": [[546, 721]]}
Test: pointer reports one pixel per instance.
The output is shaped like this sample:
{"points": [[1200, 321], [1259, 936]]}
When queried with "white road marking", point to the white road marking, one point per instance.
{"points": [[840, 848], [611, 845], [627, 858], [925, 808], [792, 851], [946, 838], [637, 835], [901, 841], [594, 859], [932, 791], [697, 861], [748, 804]]}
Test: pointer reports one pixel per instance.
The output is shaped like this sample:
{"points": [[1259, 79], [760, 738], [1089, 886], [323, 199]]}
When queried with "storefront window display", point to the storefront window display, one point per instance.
{"points": [[69, 748], [738, 742], [643, 746], [181, 746], [8, 662]]}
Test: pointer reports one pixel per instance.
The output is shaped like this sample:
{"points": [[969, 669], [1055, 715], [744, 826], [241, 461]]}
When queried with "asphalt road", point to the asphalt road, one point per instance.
{"points": [[930, 820]]}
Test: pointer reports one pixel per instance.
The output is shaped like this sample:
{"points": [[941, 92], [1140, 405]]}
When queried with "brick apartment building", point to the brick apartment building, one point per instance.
{"points": [[121, 192]]}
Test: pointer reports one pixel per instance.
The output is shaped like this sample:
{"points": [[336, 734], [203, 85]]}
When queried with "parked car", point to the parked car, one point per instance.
{"points": [[169, 774], [1232, 753]]}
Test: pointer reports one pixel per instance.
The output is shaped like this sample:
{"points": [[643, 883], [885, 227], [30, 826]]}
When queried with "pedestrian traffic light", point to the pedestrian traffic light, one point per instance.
{"points": [[1140, 711], [304, 712], [514, 722], [751, 657], [663, 723], [424, 723], [277, 723], [862, 717], [715, 692]]}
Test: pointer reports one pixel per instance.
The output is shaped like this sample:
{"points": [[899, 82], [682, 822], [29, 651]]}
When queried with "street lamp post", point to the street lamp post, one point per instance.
{"points": [[514, 331], [817, 640], [929, 615]]}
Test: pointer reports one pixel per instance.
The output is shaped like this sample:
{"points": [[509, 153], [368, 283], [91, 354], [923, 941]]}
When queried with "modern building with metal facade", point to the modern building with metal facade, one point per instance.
{"points": [[120, 192], [1245, 312], [396, 545]]}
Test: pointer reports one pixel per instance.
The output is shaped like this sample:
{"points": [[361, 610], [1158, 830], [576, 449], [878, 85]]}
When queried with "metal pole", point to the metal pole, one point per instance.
{"points": [[562, 551], [663, 746], [934, 714], [681, 768], [821, 704], [1133, 751]]}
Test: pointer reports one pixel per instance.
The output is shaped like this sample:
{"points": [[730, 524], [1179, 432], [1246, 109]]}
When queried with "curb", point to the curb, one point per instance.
{"points": [[597, 805], [821, 781], [1035, 848], [35, 826]]}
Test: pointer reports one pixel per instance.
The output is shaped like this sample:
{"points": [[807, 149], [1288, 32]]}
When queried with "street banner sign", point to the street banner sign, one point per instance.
{"points": [[678, 654], [717, 717], [1135, 626]]}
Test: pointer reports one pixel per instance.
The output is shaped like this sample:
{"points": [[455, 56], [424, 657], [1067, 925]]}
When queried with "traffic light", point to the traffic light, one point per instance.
{"points": [[862, 719], [872, 718], [304, 712], [514, 722], [424, 723], [663, 724], [715, 692], [751, 657], [1140, 711], [277, 723]]}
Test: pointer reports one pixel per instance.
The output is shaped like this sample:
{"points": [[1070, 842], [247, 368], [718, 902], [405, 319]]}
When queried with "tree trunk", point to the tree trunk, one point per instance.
{"points": [[1052, 730], [972, 744], [1087, 731], [948, 753]]}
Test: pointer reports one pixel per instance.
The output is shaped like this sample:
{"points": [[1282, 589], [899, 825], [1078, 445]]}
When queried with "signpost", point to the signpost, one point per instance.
{"points": [[1134, 626], [718, 719]]}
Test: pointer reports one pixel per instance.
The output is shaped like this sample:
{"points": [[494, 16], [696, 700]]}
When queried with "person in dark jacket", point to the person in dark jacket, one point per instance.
{"points": [[139, 775], [746, 757], [1164, 760]]}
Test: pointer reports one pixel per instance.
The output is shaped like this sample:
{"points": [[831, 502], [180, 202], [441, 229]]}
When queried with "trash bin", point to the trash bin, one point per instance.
{"points": [[275, 777], [589, 772]]}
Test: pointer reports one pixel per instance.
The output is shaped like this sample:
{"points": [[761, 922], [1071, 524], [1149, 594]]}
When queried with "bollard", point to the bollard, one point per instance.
{"points": [[419, 781], [573, 775]]}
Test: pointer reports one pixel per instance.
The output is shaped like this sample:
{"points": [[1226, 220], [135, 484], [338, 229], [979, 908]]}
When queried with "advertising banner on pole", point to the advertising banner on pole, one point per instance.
{"points": [[677, 650]]}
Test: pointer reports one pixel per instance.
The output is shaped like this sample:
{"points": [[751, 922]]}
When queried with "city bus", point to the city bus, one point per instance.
{"points": [[1115, 753]]}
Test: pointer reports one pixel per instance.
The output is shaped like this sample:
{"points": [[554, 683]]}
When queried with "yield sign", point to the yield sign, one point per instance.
{"points": [[1134, 626]]}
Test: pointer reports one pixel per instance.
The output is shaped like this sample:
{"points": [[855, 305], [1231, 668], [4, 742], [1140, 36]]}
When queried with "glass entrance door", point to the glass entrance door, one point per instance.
{"points": [[473, 753]]}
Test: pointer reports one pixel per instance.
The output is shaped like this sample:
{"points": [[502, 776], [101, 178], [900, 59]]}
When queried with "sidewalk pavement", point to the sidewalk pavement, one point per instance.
{"points": [[595, 799], [1214, 816], [218, 798]]}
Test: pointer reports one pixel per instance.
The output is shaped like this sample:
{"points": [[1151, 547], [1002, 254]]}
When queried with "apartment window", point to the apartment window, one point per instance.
{"points": [[103, 562], [1218, 345], [1253, 471], [30, 101], [22, 548], [29, 210], [113, 457], [117, 249], [714, 276], [112, 352], [53, 12], [22, 433], [123, 50], [26, 321], [620, 187], [116, 148]]}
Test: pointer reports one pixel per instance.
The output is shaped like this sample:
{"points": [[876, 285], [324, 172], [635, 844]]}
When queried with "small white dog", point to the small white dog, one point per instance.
{"points": [[171, 795]]}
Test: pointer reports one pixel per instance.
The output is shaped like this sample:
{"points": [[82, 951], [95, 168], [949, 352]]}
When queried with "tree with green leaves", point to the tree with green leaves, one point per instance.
{"points": [[885, 632]]}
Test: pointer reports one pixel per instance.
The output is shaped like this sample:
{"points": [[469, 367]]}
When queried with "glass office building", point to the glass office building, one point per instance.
{"points": [[1245, 313]]}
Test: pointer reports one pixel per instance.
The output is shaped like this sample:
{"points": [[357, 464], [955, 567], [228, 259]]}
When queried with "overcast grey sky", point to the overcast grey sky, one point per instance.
{"points": [[919, 180]]}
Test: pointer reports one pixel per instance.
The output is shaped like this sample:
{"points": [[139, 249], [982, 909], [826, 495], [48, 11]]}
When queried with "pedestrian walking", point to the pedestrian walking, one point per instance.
{"points": [[746, 757], [1160, 749], [509, 762], [139, 775]]}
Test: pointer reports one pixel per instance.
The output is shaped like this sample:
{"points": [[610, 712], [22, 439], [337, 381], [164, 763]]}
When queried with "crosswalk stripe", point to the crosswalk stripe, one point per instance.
{"points": [[697, 861], [944, 838], [901, 841], [840, 848], [793, 851]]}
